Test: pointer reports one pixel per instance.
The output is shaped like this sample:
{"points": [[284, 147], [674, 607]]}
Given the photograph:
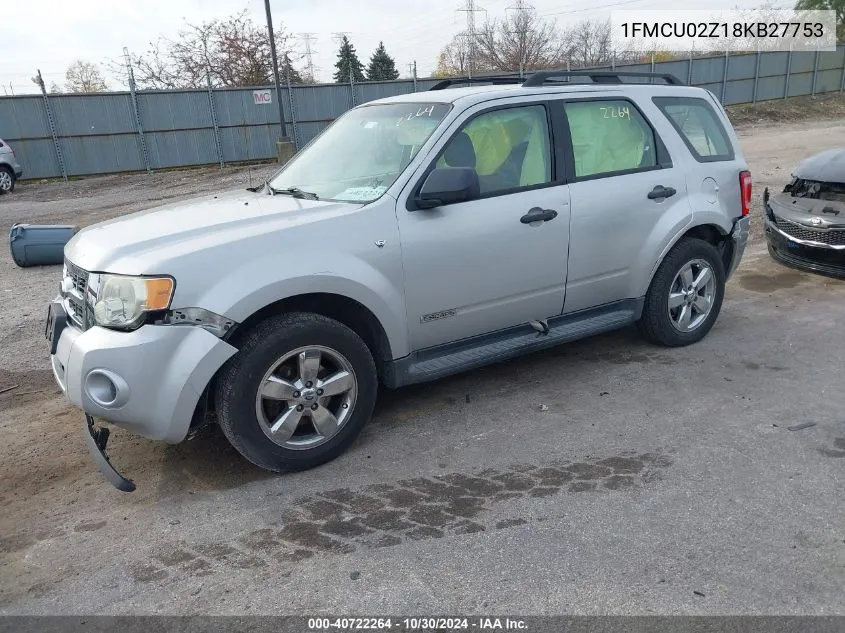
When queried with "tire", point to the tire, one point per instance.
{"points": [[665, 325], [246, 417], [7, 180]]}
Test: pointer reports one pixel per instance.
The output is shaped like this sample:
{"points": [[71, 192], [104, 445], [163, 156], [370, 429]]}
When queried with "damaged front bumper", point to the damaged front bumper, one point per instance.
{"points": [[96, 439], [806, 233]]}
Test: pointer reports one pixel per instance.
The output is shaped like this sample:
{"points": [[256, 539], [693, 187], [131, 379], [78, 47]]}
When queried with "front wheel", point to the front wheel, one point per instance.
{"points": [[297, 393], [685, 296]]}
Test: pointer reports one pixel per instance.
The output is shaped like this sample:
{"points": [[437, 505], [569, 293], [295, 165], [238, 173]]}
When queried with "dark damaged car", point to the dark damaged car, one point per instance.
{"points": [[805, 224]]}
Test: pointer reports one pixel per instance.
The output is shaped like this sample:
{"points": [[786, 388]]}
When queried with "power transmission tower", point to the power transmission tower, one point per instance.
{"points": [[309, 60], [471, 9], [523, 18]]}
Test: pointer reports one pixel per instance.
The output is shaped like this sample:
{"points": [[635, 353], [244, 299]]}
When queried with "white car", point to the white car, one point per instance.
{"points": [[10, 169], [418, 236]]}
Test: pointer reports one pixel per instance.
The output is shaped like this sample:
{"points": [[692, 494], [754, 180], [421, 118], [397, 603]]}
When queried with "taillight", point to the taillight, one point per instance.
{"points": [[745, 191]]}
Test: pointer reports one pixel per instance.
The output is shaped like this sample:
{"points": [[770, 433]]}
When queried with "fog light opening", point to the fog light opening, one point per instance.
{"points": [[105, 388]]}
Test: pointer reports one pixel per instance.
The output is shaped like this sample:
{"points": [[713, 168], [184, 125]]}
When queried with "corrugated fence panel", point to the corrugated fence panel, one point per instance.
{"points": [[321, 103], [770, 87], [238, 107], [773, 63], [253, 142], [742, 67], [85, 155], [36, 156], [78, 115], [23, 117], [98, 132]]}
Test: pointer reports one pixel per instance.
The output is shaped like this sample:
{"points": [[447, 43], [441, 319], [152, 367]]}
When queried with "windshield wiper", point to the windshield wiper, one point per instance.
{"points": [[296, 192]]}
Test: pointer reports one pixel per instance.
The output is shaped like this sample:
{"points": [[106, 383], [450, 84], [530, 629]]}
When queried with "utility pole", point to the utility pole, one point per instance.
{"points": [[309, 60], [412, 69], [275, 68], [470, 9]]}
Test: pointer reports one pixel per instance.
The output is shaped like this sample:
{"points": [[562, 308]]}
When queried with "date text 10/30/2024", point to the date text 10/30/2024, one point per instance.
{"points": [[416, 624]]}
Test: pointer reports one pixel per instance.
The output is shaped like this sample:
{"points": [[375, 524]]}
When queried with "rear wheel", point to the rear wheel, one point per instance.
{"points": [[7, 179], [297, 393], [685, 296]]}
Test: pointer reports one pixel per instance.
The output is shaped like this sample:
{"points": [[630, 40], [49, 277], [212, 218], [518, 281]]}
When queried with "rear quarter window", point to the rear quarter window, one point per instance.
{"points": [[699, 127]]}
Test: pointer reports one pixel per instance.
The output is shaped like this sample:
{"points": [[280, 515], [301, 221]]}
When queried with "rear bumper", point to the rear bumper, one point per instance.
{"points": [[739, 237], [18, 172], [819, 258]]}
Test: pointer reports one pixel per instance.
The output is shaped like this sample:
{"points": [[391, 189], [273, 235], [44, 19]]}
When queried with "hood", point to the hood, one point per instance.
{"points": [[827, 166], [136, 243]]}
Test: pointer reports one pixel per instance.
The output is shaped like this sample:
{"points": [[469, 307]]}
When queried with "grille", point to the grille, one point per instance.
{"points": [[834, 237], [76, 305]]}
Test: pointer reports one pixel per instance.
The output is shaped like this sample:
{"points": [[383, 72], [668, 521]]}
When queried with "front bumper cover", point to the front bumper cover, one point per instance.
{"points": [[96, 439], [790, 252], [814, 256], [147, 381]]}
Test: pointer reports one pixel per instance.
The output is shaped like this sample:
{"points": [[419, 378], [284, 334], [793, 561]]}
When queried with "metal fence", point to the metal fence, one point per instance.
{"points": [[72, 135]]}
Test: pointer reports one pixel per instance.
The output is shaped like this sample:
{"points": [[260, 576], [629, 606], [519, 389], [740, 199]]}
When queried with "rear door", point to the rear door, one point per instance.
{"points": [[627, 199], [479, 266]]}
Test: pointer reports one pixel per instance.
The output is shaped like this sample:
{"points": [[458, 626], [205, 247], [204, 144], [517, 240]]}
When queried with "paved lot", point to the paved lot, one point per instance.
{"points": [[656, 481]]}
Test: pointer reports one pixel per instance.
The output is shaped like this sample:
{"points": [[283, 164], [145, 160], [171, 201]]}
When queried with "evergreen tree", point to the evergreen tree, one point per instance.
{"points": [[287, 73], [347, 60], [382, 67]]}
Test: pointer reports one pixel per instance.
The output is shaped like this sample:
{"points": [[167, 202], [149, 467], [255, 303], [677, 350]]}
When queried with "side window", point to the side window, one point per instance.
{"points": [[698, 125], [508, 148], [609, 136]]}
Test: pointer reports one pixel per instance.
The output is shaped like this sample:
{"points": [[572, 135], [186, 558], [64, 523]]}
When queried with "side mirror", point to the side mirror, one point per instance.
{"points": [[448, 185]]}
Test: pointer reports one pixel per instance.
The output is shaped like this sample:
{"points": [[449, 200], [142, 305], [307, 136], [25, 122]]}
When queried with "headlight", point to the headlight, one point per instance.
{"points": [[123, 302]]}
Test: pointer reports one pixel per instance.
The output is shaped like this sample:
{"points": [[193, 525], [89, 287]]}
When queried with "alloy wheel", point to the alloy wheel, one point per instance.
{"points": [[306, 397]]}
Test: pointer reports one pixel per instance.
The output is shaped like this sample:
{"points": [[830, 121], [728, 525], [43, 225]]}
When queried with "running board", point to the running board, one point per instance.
{"points": [[452, 358]]}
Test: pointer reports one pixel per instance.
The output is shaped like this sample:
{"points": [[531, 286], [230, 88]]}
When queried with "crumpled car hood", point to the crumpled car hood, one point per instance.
{"points": [[828, 166]]}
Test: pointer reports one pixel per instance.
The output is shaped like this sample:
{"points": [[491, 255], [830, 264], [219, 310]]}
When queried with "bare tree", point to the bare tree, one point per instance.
{"points": [[84, 76], [453, 60], [588, 43], [233, 51], [521, 40]]}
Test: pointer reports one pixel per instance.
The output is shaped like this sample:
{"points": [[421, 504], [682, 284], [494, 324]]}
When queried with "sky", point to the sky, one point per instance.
{"points": [[50, 34]]}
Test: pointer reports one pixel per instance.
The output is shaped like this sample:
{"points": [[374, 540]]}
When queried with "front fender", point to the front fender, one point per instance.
{"points": [[261, 281]]}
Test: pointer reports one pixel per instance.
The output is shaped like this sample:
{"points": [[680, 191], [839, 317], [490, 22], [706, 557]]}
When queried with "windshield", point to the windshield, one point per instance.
{"points": [[358, 157]]}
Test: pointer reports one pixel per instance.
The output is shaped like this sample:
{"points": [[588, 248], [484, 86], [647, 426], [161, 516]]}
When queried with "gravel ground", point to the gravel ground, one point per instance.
{"points": [[651, 481]]}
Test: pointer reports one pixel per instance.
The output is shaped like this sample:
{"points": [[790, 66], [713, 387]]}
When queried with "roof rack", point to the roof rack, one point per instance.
{"points": [[597, 76], [492, 79]]}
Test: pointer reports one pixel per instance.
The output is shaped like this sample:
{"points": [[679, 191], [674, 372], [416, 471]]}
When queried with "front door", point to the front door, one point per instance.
{"points": [[482, 265]]}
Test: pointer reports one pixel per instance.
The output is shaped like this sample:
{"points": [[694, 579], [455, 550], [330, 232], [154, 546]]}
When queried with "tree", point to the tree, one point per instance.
{"points": [[287, 73], [453, 60], [520, 41], [830, 5], [233, 52], [347, 63], [84, 77], [382, 66], [588, 43]]}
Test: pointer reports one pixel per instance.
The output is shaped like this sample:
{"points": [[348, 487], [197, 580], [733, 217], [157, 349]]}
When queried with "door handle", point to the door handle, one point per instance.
{"points": [[537, 214], [660, 192]]}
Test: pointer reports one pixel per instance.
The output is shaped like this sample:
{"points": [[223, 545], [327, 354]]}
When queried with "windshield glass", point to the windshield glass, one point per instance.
{"points": [[358, 157]]}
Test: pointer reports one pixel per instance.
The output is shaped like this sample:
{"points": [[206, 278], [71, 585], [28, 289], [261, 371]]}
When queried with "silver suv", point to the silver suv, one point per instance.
{"points": [[418, 236], [10, 169]]}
